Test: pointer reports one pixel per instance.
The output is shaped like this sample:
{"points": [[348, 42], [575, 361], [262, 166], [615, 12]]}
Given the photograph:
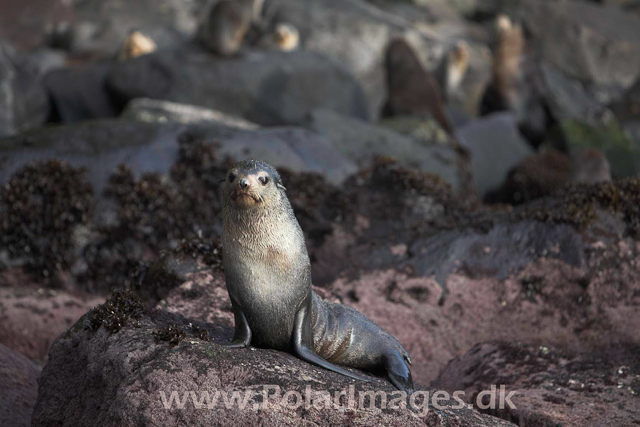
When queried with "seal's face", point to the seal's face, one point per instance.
{"points": [[251, 184]]}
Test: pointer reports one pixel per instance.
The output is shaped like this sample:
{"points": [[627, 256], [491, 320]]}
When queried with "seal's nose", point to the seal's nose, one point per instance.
{"points": [[244, 183]]}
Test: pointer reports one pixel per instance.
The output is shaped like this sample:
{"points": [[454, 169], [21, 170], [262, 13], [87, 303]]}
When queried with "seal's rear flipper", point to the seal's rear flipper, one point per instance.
{"points": [[303, 340], [398, 372]]}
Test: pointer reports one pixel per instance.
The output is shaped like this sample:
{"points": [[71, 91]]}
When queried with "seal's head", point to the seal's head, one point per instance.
{"points": [[252, 184]]}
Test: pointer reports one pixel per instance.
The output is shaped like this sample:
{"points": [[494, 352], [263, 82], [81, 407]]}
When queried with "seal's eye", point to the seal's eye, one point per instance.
{"points": [[264, 180], [231, 177]]}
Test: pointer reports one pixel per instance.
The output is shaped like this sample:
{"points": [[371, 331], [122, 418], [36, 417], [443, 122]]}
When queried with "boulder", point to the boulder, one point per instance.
{"points": [[354, 33], [360, 142], [549, 386], [140, 362], [589, 42], [269, 88], [78, 93], [495, 146], [102, 145], [31, 319], [23, 101], [19, 378]]}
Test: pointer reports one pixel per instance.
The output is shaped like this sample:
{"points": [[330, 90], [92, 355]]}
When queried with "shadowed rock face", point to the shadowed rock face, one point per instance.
{"points": [[148, 356]]}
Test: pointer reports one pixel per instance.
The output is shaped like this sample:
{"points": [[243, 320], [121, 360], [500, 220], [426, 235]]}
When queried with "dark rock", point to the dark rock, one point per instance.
{"points": [[354, 33], [550, 386], [361, 142], [506, 249], [549, 171], [495, 146], [269, 88], [101, 146], [23, 104], [79, 93], [143, 369], [590, 42], [19, 377]]}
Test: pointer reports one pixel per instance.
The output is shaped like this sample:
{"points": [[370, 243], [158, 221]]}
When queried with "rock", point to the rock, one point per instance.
{"points": [[621, 151], [22, 23], [269, 88], [151, 147], [543, 300], [589, 42], [568, 99], [423, 129], [550, 386], [354, 33], [19, 378], [31, 319], [78, 93], [495, 146], [158, 354], [360, 142], [156, 111], [98, 28], [548, 171], [23, 102]]}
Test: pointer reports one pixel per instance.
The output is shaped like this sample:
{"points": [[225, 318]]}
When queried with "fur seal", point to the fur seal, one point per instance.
{"points": [[516, 84], [226, 26], [136, 44], [268, 275], [453, 68], [411, 89]]}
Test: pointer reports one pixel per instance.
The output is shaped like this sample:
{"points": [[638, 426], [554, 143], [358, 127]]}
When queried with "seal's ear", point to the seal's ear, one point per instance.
{"points": [[222, 180], [280, 186]]}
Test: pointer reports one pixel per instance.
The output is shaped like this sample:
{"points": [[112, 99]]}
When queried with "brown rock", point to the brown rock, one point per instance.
{"points": [[119, 379], [550, 387], [19, 390], [31, 319]]}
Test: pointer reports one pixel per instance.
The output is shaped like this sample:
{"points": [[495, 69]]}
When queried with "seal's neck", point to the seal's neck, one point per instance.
{"points": [[258, 229]]}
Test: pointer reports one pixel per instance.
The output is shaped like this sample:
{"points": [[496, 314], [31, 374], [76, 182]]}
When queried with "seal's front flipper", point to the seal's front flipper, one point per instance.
{"points": [[242, 334], [398, 371], [303, 342]]}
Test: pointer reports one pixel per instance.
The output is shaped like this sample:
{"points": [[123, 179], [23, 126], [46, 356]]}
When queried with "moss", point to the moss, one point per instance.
{"points": [[122, 308], [42, 207], [171, 334]]}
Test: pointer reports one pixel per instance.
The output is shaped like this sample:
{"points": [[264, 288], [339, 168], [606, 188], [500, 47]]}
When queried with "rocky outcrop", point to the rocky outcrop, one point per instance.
{"points": [[151, 358]]}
